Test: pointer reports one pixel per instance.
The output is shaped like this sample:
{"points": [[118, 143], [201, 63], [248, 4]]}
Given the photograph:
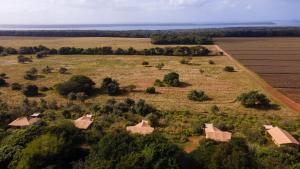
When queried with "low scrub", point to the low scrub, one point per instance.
{"points": [[254, 99], [197, 96]]}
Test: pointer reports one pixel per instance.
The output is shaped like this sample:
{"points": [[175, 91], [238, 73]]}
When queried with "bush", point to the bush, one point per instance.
{"points": [[229, 69], [142, 108], [16, 86], [160, 66], [3, 75], [145, 63], [197, 96], [254, 99], [158, 83], [72, 96], [211, 62], [110, 87], [23, 59], [76, 84], [172, 79], [47, 70], [81, 96], [30, 90], [2, 82], [31, 74], [62, 70], [150, 90], [184, 61]]}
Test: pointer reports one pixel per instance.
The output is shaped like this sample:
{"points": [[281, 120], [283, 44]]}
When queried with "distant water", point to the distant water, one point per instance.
{"points": [[166, 26]]}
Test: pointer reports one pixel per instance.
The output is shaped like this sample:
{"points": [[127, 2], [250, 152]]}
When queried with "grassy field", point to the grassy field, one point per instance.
{"points": [[80, 42], [222, 87]]}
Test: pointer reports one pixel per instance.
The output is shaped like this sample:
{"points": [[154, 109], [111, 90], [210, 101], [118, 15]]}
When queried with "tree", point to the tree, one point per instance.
{"points": [[229, 69], [16, 86], [2, 82], [197, 95], [76, 84], [160, 66], [110, 86], [172, 79], [142, 108], [30, 90], [254, 99], [81, 96], [150, 90], [47, 70]]}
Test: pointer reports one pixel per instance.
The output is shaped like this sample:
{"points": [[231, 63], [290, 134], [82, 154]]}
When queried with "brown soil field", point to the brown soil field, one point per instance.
{"points": [[276, 60]]}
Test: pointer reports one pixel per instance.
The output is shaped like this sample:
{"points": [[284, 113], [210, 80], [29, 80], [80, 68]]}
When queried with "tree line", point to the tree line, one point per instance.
{"points": [[165, 39], [42, 51], [211, 32]]}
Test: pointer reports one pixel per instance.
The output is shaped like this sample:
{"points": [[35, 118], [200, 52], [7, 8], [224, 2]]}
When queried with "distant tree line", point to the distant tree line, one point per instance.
{"points": [[182, 39], [42, 51], [211, 32]]}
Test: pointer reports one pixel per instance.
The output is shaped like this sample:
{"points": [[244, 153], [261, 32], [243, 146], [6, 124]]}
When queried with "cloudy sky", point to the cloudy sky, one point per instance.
{"points": [[145, 11]]}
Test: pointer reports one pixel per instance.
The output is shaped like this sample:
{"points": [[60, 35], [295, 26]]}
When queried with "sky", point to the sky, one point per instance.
{"points": [[145, 11]]}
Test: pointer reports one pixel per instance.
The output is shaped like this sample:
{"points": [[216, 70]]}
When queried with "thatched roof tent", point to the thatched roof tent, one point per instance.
{"points": [[216, 134], [83, 122], [23, 121], [141, 128], [280, 136]]}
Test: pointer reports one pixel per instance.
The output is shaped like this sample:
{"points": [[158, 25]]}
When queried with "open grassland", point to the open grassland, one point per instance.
{"points": [[276, 60], [79, 42], [179, 115]]}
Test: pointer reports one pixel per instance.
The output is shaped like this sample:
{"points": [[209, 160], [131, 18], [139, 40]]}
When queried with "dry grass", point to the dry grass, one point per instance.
{"points": [[82, 42], [222, 87]]}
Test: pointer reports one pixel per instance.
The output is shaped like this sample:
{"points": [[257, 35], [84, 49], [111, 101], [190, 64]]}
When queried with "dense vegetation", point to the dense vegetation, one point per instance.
{"points": [[166, 39], [42, 51]]}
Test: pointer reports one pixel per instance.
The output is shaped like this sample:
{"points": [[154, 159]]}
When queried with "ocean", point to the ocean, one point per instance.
{"points": [[148, 26]]}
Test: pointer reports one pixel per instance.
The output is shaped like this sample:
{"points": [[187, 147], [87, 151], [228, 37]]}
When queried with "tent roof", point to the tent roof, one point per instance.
{"points": [[23, 121], [141, 128], [281, 136], [83, 122], [216, 134]]}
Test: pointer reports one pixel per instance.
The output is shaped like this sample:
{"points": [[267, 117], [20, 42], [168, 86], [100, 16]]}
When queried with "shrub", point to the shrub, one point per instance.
{"points": [[150, 90], [72, 96], [30, 90], [110, 86], [62, 70], [16, 86], [81, 96], [76, 84], [254, 99], [31, 74], [158, 83], [172, 79], [41, 54], [47, 70], [229, 69], [160, 66], [142, 108], [3, 75], [145, 63], [197, 96], [2, 82], [211, 62], [23, 59]]}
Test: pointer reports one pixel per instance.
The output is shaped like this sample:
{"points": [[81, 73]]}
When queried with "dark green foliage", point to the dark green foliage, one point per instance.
{"points": [[172, 79], [23, 59], [81, 96], [233, 155], [110, 87], [150, 90], [158, 83], [31, 74], [184, 61], [16, 86], [41, 54], [2, 82], [3, 75], [197, 95], [142, 108], [76, 84], [254, 99], [180, 39], [229, 69], [30, 90], [120, 150]]}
